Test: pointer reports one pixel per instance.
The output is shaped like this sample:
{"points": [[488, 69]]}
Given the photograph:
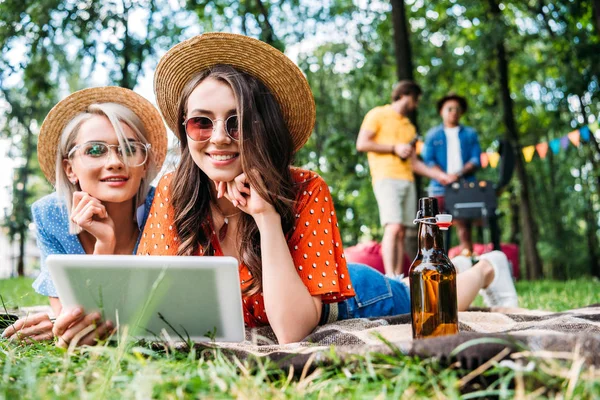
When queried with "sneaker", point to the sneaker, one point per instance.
{"points": [[461, 263], [501, 292]]}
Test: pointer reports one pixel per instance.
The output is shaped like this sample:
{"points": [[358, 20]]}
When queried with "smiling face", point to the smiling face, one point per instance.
{"points": [[218, 157], [109, 181]]}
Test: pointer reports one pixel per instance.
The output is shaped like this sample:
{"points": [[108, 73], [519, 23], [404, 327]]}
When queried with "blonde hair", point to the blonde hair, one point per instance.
{"points": [[116, 114]]}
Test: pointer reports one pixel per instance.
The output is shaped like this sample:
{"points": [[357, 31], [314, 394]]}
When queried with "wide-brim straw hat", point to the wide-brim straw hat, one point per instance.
{"points": [[273, 68], [78, 102]]}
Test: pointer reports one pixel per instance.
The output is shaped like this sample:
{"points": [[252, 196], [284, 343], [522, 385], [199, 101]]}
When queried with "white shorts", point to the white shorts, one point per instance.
{"points": [[397, 201]]}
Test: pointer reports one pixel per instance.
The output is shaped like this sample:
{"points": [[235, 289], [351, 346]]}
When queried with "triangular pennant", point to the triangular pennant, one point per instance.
{"points": [[564, 142], [484, 160], [542, 149], [584, 132], [493, 158], [594, 126], [574, 137], [555, 145], [528, 152], [419, 146]]}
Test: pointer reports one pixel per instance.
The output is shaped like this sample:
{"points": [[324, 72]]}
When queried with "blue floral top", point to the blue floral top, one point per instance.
{"points": [[53, 237]]}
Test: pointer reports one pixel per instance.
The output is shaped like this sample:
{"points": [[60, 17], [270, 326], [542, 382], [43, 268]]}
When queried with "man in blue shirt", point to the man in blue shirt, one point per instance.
{"points": [[454, 149]]}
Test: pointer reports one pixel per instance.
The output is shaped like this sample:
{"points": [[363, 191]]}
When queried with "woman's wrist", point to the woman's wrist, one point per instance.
{"points": [[267, 220], [105, 246]]}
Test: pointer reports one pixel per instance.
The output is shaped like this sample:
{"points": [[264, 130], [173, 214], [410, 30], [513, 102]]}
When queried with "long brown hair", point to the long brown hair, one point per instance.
{"points": [[266, 151]]}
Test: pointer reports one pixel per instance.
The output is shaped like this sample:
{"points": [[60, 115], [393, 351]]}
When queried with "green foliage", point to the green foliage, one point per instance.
{"points": [[346, 49]]}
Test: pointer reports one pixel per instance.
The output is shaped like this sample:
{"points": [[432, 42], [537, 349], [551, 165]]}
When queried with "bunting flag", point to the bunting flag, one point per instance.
{"points": [[493, 158], [419, 146], [585, 134], [484, 160], [574, 137], [555, 145], [528, 152], [542, 149]]}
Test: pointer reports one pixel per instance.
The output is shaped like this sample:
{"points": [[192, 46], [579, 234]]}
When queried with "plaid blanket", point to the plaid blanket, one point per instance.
{"points": [[484, 334]]}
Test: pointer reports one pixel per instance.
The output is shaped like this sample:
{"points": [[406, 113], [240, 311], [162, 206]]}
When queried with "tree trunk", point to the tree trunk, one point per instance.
{"points": [[125, 80], [22, 209], [592, 157], [243, 11], [554, 210], [404, 67], [515, 231], [528, 223], [596, 10], [267, 33], [591, 226], [590, 216]]}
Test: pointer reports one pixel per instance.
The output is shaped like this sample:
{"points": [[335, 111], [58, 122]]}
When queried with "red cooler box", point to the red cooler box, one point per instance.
{"points": [[369, 253]]}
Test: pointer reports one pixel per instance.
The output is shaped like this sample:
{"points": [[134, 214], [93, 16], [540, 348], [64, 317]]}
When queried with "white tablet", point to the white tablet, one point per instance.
{"points": [[195, 298]]}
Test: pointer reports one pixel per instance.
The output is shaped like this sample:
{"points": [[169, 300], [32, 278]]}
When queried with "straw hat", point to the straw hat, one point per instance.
{"points": [[76, 103], [264, 62]]}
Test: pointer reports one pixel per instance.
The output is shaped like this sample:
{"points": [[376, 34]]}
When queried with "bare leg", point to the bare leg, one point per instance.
{"points": [[392, 247], [471, 281]]}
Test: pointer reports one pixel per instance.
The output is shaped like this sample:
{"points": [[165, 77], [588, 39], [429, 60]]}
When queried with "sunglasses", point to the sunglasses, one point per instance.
{"points": [[200, 129]]}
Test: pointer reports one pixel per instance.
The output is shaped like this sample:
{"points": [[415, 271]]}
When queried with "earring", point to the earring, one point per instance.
{"points": [[74, 182]]}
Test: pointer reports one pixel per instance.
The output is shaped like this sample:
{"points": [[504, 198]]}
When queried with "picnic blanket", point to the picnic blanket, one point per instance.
{"points": [[484, 334]]}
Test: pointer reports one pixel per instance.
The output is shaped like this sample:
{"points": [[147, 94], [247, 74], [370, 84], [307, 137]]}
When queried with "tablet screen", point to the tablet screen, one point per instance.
{"points": [[182, 298]]}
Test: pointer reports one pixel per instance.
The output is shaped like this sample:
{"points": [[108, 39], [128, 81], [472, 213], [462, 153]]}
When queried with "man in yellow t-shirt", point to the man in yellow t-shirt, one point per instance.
{"points": [[387, 135]]}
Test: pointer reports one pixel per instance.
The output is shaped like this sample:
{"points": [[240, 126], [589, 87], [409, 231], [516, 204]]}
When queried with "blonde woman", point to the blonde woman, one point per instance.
{"points": [[101, 148]]}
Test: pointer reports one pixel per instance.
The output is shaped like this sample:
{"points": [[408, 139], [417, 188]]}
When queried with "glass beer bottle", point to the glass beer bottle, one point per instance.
{"points": [[434, 307]]}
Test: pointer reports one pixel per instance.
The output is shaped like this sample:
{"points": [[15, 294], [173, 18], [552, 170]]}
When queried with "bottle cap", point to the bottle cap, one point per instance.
{"points": [[443, 221]]}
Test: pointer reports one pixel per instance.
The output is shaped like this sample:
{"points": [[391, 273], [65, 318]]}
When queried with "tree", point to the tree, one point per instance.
{"points": [[529, 226]]}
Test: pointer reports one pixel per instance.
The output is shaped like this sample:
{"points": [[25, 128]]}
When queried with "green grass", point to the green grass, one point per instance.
{"points": [[43, 371], [19, 293], [556, 295]]}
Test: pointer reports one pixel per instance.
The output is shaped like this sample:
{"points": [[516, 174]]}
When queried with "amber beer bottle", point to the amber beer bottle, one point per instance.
{"points": [[434, 307]]}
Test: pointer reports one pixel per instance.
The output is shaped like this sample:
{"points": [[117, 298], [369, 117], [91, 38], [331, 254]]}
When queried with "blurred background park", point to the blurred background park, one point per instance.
{"points": [[530, 70]]}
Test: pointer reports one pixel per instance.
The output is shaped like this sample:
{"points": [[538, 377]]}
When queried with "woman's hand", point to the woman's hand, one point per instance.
{"points": [[33, 328], [81, 329], [90, 215], [243, 196]]}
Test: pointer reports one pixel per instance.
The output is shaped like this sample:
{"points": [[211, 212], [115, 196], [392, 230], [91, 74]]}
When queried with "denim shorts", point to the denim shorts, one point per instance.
{"points": [[376, 296]]}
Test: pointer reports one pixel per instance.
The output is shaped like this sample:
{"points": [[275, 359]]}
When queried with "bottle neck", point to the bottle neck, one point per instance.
{"points": [[430, 237]]}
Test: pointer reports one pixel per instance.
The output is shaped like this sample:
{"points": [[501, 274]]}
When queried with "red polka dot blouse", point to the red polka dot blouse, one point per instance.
{"points": [[315, 243]]}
